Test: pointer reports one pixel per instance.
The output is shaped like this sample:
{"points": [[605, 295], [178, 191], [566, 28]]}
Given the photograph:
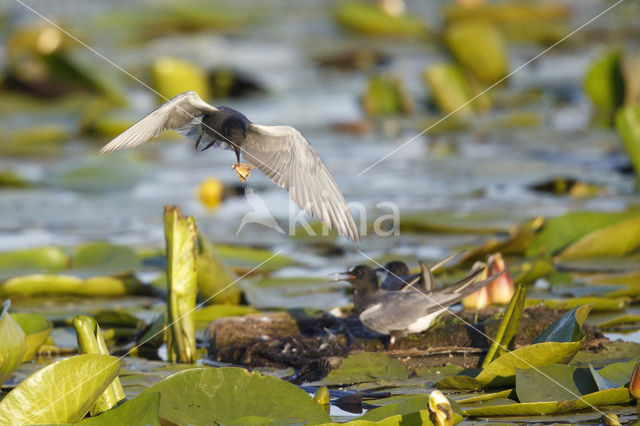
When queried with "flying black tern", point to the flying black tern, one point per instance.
{"points": [[280, 152], [400, 313]]}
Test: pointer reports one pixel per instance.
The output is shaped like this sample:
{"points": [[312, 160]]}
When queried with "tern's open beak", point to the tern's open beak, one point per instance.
{"points": [[342, 276]]}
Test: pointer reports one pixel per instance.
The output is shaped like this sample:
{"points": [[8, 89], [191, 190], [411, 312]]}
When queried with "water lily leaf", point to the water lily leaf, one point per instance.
{"points": [[141, 410], [460, 381], [213, 312], [386, 95], [598, 304], [618, 373], [272, 281], [216, 281], [567, 328], [506, 334], [601, 382], [553, 383], [12, 343], [560, 231], [207, 395], [628, 319], [116, 318], [370, 19], [528, 272], [172, 76], [366, 367], [450, 89], [418, 405], [396, 420], [601, 398], [117, 171], [628, 125], [60, 392], [105, 259], [243, 259], [36, 329], [181, 235], [604, 85], [505, 394], [41, 259], [612, 241], [501, 372], [39, 284]]}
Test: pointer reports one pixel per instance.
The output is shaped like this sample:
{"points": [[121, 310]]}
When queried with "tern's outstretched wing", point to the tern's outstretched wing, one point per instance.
{"points": [[182, 113], [285, 156]]}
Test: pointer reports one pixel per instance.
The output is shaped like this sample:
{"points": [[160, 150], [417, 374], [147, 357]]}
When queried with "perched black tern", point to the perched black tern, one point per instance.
{"points": [[400, 313], [280, 152]]}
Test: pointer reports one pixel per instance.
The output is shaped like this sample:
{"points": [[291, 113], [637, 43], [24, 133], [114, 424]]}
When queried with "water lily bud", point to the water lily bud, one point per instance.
{"points": [[480, 299], [322, 396], [210, 192], [441, 410], [501, 289], [634, 384]]}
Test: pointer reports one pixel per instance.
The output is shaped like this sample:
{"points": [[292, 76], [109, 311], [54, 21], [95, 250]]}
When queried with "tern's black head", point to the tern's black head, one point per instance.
{"points": [[397, 268], [362, 278]]}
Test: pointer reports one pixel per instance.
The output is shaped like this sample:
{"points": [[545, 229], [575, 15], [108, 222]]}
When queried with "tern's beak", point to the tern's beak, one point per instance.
{"points": [[342, 276]]}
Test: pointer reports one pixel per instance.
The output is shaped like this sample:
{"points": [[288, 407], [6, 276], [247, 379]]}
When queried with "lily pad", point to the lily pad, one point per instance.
{"points": [[36, 329], [449, 89], [618, 373], [369, 19], [207, 395], [386, 95], [244, 259], [628, 319], [597, 399], [366, 367], [213, 312], [628, 125], [12, 344], [411, 410], [141, 410], [614, 240], [560, 231], [173, 76], [598, 304], [553, 383], [105, 259], [41, 259], [487, 396], [60, 392], [216, 281], [601, 382], [603, 83], [567, 328], [39, 284]]}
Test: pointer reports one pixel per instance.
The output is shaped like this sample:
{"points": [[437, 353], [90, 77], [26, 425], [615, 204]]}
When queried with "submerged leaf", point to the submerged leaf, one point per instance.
{"points": [[220, 395], [366, 367], [12, 343], [60, 392]]}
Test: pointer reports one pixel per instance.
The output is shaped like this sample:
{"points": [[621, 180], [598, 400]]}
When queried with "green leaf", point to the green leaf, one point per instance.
{"points": [[508, 327], [12, 344], [36, 329], [604, 85], [601, 382], [105, 259], [41, 259], [627, 319], [91, 341], [460, 381], [139, 411], [366, 367], [180, 235], [598, 399], [614, 240], [60, 392], [628, 125], [501, 372], [449, 89], [560, 231], [247, 258], [37, 284], [370, 19], [215, 278], [209, 395], [213, 312], [618, 372], [567, 328], [172, 76], [505, 394], [553, 383], [598, 304]]}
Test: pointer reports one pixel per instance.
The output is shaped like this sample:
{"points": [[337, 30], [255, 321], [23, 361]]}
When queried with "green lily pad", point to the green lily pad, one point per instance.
{"points": [[449, 89], [628, 125], [173, 76], [452, 223], [366, 367], [216, 281], [116, 171], [603, 83], [461, 381], [567, 328], [275, 281], [506, 335], [369, 19], [598, 304], [488, 396], [386, 95], [601, 398], [9, 179], [105, 259], [116, 318], [207, 395], [601, 382], [560, 231], [478, 46], [39, 284], [12, 343], [41, 259], [213, 312], [244, 259], [618, 373], [414, 409], [614, 240], [36, 329], [553, 383], [60, 392], [141, 410], [528, 272], [628, 319]]}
